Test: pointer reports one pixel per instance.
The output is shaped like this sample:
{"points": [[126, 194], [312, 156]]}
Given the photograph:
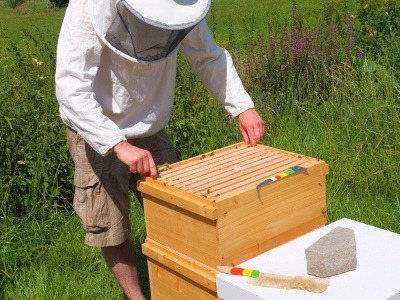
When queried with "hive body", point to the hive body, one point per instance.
{"points": [[220, 208]]}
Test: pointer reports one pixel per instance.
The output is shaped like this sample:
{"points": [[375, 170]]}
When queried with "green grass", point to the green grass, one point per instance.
{"points": [[356, 130], [48, 260], [52, 263], [14, 21]]}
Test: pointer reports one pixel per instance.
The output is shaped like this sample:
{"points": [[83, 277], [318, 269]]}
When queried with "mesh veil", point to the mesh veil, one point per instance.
{"points": [[132, 35]]}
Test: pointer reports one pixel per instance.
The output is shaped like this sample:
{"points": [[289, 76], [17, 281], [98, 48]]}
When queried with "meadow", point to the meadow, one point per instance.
{"points": [[324, 75]]}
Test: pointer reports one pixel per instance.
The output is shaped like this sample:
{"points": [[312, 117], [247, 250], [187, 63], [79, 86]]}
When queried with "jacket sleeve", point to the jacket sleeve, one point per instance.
{"points": [[214, 66], [78, 58]]}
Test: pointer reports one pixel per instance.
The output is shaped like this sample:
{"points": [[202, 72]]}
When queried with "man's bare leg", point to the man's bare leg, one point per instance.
{"points": [[122, 263]]}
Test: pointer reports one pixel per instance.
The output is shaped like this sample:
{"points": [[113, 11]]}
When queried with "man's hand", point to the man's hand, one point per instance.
{"points": [[138, 160], [251, 126]]}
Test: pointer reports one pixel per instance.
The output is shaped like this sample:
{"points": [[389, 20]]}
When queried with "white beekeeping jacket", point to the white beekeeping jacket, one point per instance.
{"points": [[108, 98]]}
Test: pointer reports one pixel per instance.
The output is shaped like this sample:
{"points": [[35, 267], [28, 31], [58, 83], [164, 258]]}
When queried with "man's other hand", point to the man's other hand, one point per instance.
{"points": [[251, 126]]}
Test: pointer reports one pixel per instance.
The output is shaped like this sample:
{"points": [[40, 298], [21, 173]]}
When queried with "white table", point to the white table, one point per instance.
{"points": [[377, 276]]}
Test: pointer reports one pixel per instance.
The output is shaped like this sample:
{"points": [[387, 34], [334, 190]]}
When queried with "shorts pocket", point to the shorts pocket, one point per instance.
{"points": [[91, 201]]}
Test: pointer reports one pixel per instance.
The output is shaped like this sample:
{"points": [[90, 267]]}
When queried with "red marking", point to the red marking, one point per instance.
{"points": [[237, 271]]}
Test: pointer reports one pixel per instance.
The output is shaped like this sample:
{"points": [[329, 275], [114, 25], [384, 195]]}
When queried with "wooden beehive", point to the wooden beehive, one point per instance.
{"points": [[227, 206], [174, 276]]}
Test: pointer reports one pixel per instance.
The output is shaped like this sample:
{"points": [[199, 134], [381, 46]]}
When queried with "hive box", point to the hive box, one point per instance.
{"points": [[175, 276], [223, 208]]}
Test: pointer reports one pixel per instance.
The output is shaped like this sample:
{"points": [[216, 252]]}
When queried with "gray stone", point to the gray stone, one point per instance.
{"points": [[333, 254]]}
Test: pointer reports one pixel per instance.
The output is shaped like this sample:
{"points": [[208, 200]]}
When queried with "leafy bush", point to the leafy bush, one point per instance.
{"points": [[49, 3], [378, 23], [13, 3], [59, 3], [196, 122], [378, 28]]}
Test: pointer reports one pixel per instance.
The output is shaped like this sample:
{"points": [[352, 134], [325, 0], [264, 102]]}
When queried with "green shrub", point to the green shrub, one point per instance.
{"points": [[13, 3], [196, 123], [378, 23], [378, 29], [59, 3]]}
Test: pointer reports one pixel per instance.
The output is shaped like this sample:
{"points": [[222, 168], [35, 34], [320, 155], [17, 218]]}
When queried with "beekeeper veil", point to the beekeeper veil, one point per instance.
{"points": [[145, 30]]}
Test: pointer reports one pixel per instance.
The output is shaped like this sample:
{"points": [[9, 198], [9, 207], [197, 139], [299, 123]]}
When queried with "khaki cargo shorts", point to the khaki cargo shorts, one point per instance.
{"points": [[102, 186]]}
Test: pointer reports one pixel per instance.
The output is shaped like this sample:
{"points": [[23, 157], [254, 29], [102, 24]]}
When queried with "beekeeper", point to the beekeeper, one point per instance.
{"points": [[115, 82]]}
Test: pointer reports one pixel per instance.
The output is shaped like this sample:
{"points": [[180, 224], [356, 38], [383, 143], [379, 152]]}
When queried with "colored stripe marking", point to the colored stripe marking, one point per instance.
{"points": [[237, 271], [245, 272], [291, 171]]}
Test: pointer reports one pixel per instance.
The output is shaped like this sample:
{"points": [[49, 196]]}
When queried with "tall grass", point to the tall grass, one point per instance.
{"points": [[324, 100], [305, 59]]}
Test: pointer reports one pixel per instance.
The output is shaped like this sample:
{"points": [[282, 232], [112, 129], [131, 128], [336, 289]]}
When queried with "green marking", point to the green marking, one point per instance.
{"points": [[255, 273], [290, 172]]}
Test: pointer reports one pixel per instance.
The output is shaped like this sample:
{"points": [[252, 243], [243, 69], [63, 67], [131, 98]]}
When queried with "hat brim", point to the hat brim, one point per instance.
{"points": [[171, 13]]}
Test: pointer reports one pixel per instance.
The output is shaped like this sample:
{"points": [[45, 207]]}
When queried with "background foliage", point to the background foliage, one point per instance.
{"points": [[324, 85], [48, 3]]}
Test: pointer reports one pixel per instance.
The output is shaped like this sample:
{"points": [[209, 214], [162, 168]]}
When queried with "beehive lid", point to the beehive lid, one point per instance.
{"points": [[226, 172]]}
